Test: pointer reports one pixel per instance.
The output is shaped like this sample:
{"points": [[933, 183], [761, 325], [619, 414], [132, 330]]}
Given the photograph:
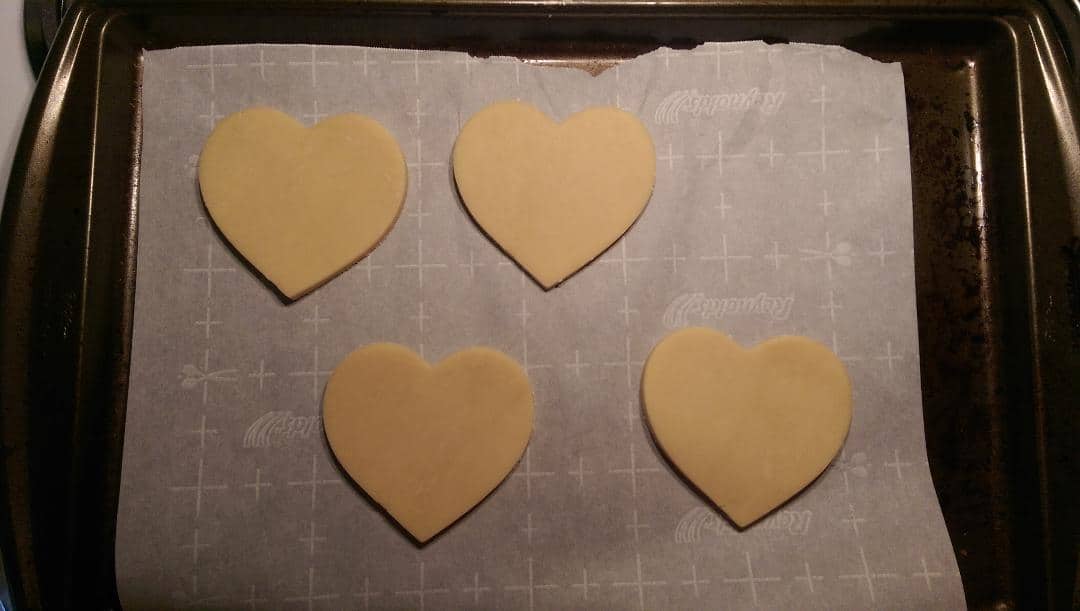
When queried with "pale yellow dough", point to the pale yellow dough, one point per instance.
{"points": [[554, 196], [301, 205], [427, 443], [749, 428]]}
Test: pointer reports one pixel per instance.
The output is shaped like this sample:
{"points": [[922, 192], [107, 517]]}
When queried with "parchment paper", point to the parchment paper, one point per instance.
{"points": [[782, 205]]}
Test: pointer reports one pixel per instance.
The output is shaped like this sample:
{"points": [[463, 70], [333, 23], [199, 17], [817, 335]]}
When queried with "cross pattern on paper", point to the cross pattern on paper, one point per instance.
{"points": [[824, 153], [419, 213], [577, 365], [315, 320], [472, 265], [580, 473], [529, 529], [417, 165], [635, 526], [312, 63], [927, 575], [820, 52], [211, 66], [725, 258], [856, 464], [257, 485], [198, 488], [751, 580], [364, 62], [833, 254], [366, 594], [524, 315], [627, 364], [195, 546], [253, 600], [772, 154], [831, 306], [633, 471], [626, 311], [415, 62], [531, 587], [889, 358], [311, 539], [723, 206], [877, 149], [417, 114], [729, 243], [822, 100], [420, 266], [694, 582], [631, 414], [211, 118], [516, 63], [718, 53], [313, 117], [623, 261], [775, 257], [262, 374], [209, 270], [640, 583], [476, 590], [208, 322], [315, 481], [585, 584], [315, 374], [526, 472], [674, 257], [261, 66], [311, 597], [367, 264], [853, 519], [825, 204], [897, 465], [809, 577], [423, 592], [881, 253], [669, 157], [192, 376], [868, 577], [202, 432], [720, 157]]}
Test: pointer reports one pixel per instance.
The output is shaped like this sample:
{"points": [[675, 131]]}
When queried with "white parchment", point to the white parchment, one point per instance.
{"points": [[782, 206]]}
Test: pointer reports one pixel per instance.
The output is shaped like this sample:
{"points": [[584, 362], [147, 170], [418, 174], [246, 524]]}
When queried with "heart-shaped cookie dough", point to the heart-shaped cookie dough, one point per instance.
{"points": [[749, 428], [300, 204], [554, 196], [427, 443]]}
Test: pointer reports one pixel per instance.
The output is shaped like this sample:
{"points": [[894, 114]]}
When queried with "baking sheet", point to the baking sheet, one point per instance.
{"points": [[782, 205]]}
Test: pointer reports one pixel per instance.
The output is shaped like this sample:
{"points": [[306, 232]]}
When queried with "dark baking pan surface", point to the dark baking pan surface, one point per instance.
{"points": [[992, 104]]}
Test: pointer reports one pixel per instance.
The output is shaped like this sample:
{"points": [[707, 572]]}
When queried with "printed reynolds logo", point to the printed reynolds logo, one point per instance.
{"points": [[696, 307], [274, 429], [695, 104], [700, 522]]}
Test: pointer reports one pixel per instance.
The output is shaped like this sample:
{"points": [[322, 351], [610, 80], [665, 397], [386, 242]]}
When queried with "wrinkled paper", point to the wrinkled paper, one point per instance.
{"points": [[782, 206]]}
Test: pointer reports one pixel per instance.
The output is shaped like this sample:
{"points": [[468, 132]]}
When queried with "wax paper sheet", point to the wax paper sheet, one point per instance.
{"points": [[782, 206]]}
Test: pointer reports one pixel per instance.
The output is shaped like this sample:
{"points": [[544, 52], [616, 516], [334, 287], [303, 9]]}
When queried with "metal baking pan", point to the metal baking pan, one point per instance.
{"points": [[992, 103]]}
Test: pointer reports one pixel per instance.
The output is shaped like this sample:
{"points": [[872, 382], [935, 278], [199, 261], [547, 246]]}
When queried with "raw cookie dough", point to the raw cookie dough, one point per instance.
{"points": [[301, 205], [554, 196], [749, 428], [427, 443]]}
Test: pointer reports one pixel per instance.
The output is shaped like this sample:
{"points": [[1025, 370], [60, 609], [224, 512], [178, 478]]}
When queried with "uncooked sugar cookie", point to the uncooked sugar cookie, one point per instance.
{"points": [[748, 427], [301, 204], [427, 442], [554, 195]]}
